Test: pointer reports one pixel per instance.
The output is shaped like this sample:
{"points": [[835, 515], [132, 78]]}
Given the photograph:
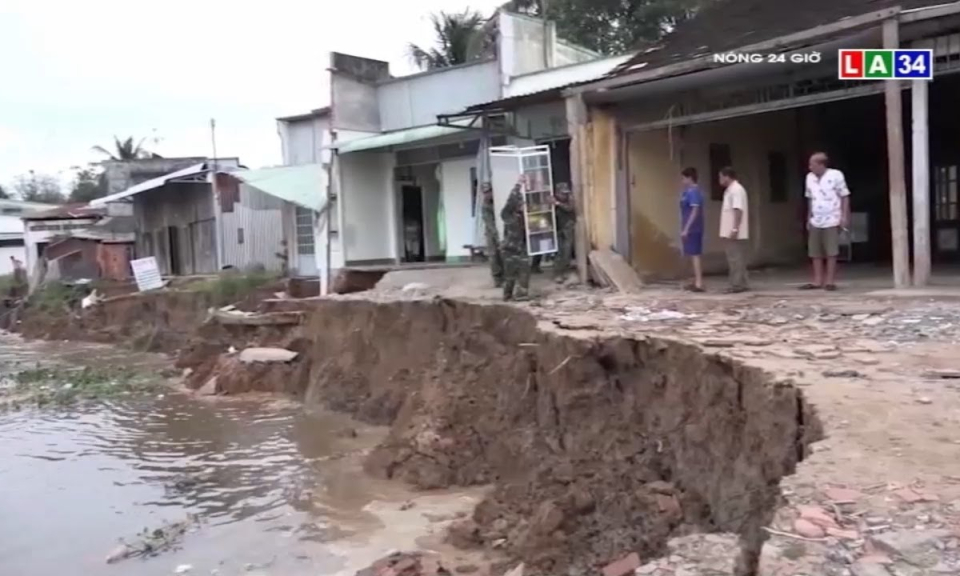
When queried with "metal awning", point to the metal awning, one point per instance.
{"points": [[304, 185], [422, 134], [153, 184]]}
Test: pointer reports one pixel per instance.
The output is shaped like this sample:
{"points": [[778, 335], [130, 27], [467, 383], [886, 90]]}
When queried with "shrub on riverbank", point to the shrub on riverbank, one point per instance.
{"points": [[232, 286]]}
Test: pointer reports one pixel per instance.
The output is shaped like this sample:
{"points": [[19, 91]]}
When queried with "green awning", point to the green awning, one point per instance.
{"points": [[402, 137], [304, 185]]}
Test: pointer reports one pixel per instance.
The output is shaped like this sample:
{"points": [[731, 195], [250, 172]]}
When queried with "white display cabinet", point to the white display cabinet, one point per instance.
{"points": [[539, 212]]}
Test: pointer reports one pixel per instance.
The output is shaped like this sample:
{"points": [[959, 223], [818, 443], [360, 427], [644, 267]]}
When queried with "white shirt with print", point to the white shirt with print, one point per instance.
{"points": [[825, 194]]}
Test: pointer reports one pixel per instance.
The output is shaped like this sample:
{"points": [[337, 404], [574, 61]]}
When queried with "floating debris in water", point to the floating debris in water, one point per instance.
{"points": [[152, 542]]}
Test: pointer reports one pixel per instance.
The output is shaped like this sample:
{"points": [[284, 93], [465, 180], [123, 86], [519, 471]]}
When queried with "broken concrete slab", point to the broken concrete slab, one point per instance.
{"points": [[916, 547], [267, 355], [868, 569], [238, 318]]}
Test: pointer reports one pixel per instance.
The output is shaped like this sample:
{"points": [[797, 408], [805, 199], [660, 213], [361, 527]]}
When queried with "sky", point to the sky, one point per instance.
{"points": [[74, 74]]}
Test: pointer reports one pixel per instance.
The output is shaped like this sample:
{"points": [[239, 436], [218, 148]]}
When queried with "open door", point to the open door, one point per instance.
{"points": [[414, 245]]}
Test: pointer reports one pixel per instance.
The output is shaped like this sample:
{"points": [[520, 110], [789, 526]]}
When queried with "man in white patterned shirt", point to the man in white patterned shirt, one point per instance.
{"points": [[828, 207]]}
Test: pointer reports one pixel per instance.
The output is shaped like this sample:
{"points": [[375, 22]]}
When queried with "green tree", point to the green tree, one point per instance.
{"points": [[3, 194], [88, 184], [41, 188], [610, 26], [125, 150], [456, 39]]}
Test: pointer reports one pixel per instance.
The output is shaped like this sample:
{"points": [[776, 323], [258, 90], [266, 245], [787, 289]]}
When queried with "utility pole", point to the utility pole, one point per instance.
{"points": [[217, 212], [547, 44]]}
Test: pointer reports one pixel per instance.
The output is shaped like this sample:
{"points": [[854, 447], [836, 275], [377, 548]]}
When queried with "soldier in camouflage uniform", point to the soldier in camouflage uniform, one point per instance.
{"points": [[493, 238], [566, 231], [516, 261]]}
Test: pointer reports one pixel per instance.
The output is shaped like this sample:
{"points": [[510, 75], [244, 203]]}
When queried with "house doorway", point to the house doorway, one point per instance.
{"points": [[414, 249], [173, 235]]}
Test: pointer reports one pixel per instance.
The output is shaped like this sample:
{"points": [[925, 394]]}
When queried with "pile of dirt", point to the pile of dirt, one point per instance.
{"points": [[596, 445]]}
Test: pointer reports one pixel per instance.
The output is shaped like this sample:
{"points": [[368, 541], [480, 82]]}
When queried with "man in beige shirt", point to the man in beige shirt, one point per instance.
{"points": [[735, 229]]}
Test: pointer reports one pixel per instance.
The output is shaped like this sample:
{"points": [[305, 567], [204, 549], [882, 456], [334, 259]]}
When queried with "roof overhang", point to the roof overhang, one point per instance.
{"points": [[304, 185], [742, 75], [410, 137], [127, 195], [801, 39]]}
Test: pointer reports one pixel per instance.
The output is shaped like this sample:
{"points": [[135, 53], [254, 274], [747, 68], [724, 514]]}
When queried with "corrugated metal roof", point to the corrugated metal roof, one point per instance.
{"points": [[150, 184], [401, 137], [562, 77], [66, 212], [304, 185]]}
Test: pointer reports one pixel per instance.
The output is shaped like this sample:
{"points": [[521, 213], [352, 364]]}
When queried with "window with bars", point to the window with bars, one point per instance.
{"points": [[305, 244], [946, 204]]}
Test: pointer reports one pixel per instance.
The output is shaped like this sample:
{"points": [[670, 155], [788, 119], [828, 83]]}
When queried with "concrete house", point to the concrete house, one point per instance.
{"points": [[403, 183], [13, 231], [679, 105]]}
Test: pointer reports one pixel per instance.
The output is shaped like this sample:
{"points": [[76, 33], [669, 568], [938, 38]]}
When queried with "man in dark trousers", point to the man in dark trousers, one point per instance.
{"points": [[516, 260], [493, 238], [566, 231]]}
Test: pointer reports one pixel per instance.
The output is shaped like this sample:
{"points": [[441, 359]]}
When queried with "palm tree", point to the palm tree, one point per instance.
{"points": [[125, 150], [456, 37]]}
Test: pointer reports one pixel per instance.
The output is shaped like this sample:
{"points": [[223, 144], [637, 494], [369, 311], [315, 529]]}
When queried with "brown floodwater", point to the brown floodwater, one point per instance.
{"points": [[277, 489]]}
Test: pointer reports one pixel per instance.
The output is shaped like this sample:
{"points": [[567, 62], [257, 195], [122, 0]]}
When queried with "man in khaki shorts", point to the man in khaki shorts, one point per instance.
{"points": [[828, 207]]}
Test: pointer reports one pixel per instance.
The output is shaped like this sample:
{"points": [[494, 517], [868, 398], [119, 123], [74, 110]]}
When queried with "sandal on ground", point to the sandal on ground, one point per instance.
{"points": [[830, 287], [810, 287], [694, 288], [736, 290]]}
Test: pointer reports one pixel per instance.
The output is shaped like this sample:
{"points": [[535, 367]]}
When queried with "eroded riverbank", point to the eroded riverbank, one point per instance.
{"points": [[597, 444], [274, 488]]}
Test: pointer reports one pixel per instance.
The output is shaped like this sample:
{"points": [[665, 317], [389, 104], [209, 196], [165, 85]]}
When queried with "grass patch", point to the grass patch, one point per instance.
{"points": [[231, 286], [64, 386], [56, 297]]}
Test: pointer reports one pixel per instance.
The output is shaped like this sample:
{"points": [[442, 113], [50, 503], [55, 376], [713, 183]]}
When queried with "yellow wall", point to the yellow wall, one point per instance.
{"points": [[654, 163], [599, 180]]}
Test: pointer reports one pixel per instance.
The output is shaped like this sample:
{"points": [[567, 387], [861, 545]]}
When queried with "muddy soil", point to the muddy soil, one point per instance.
{"points": [[596, 445]]}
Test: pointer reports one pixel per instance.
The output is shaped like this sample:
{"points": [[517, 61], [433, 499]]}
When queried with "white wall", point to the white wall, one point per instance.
{"points": [[304, 141], [368, 206], [457, 204], [417, 100]]}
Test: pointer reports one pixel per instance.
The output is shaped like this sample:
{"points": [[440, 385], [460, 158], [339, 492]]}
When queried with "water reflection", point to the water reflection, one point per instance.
{"points": [[278, 489]]}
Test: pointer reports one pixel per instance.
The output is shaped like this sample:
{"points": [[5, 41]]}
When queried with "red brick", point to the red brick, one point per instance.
{"points": [[623, 566]]}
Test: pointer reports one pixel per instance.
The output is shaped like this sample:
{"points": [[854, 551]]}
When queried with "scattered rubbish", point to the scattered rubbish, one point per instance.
{"points": [[90, 300], [209, 388], [642, 314], [842, 374], [183, 569], [517, 570], [267, 355], [406, 564], [924, 400], [942, 374], [415, 287], [231, 350]]}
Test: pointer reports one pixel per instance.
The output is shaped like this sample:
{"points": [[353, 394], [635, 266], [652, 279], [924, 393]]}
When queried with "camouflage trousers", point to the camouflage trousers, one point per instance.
{"points": [[561, 265], [495, 257], [516, 277]]}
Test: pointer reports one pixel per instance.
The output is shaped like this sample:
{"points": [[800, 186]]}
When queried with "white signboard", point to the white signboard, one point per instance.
{"points": [[147, 273]]}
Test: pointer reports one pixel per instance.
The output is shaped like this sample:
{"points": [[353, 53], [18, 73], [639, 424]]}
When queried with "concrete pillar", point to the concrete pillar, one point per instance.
{"points": [[576, 124], [921, 182], [895, 165]]}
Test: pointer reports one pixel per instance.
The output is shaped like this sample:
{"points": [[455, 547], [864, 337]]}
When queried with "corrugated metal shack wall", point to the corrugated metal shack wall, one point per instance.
{"points": [[184, 209], [253, 231], [416, 100]]}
